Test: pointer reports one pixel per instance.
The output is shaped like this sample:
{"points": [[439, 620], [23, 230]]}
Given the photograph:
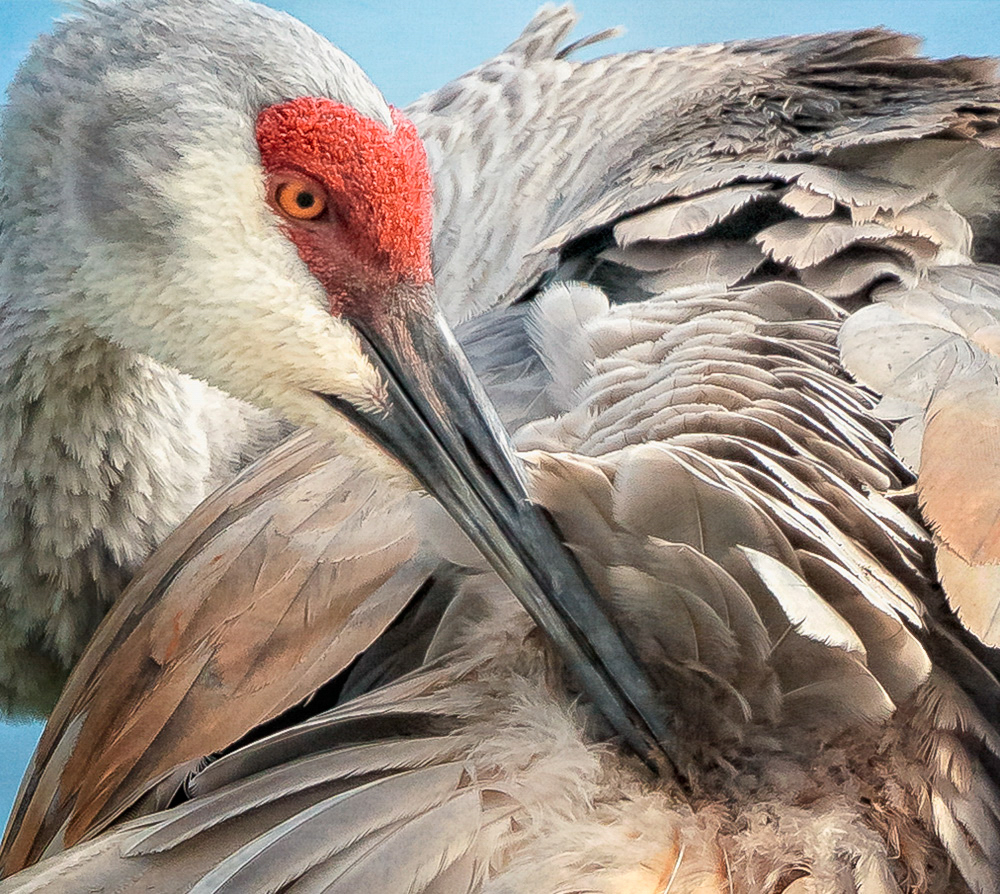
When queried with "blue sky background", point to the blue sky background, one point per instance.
{"points": [[409, 48]]}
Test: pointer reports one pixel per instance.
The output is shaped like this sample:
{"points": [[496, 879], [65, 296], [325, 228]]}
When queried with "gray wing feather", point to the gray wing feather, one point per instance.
{"points": [[937, 366]]}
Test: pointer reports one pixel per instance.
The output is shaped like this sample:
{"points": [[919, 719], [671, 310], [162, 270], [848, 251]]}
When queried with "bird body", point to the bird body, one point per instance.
{"points": [[687, 316]]}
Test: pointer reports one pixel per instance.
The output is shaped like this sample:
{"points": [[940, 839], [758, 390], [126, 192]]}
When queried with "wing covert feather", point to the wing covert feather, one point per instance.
{"points": [[275, 585]]}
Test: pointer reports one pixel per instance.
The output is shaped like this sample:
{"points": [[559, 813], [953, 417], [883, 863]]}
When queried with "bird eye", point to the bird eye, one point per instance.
{"points": [[300, 199]]}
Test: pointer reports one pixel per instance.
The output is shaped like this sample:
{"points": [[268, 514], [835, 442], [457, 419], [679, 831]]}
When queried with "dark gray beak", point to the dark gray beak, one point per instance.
{"points": [[441, 426]]}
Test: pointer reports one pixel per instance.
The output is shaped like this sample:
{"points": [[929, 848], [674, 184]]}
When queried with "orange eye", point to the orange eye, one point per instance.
{"points": [[300, 199]]}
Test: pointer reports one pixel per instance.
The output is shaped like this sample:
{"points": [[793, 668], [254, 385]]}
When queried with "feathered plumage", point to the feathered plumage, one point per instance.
{"points": [[739, 321]]}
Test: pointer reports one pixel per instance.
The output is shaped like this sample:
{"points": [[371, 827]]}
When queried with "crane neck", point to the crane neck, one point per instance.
{"points": [[102, 453]]}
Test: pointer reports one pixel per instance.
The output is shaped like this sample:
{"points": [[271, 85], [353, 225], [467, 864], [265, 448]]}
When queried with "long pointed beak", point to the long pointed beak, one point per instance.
{"points": [[441, 426]]}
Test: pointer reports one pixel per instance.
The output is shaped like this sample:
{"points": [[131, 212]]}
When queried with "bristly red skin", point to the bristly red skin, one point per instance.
{"points": [[376, 231]]}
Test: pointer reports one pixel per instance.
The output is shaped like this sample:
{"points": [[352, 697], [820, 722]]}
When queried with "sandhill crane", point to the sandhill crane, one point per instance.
{"points": [[316, 683]]}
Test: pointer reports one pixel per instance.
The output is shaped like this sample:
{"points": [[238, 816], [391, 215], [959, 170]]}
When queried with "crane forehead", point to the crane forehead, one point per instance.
{"points": [[379, 174]]}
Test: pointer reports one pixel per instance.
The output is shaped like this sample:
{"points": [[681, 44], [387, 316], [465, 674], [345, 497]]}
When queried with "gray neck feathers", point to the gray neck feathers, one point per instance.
{"points": [[103, 453]]}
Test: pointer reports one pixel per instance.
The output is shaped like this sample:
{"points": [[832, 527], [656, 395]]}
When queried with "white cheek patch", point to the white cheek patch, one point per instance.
{"points": [[231, 302]]}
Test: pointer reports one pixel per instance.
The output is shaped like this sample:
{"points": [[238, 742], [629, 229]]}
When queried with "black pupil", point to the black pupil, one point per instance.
{"points": [[305, 200]]}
